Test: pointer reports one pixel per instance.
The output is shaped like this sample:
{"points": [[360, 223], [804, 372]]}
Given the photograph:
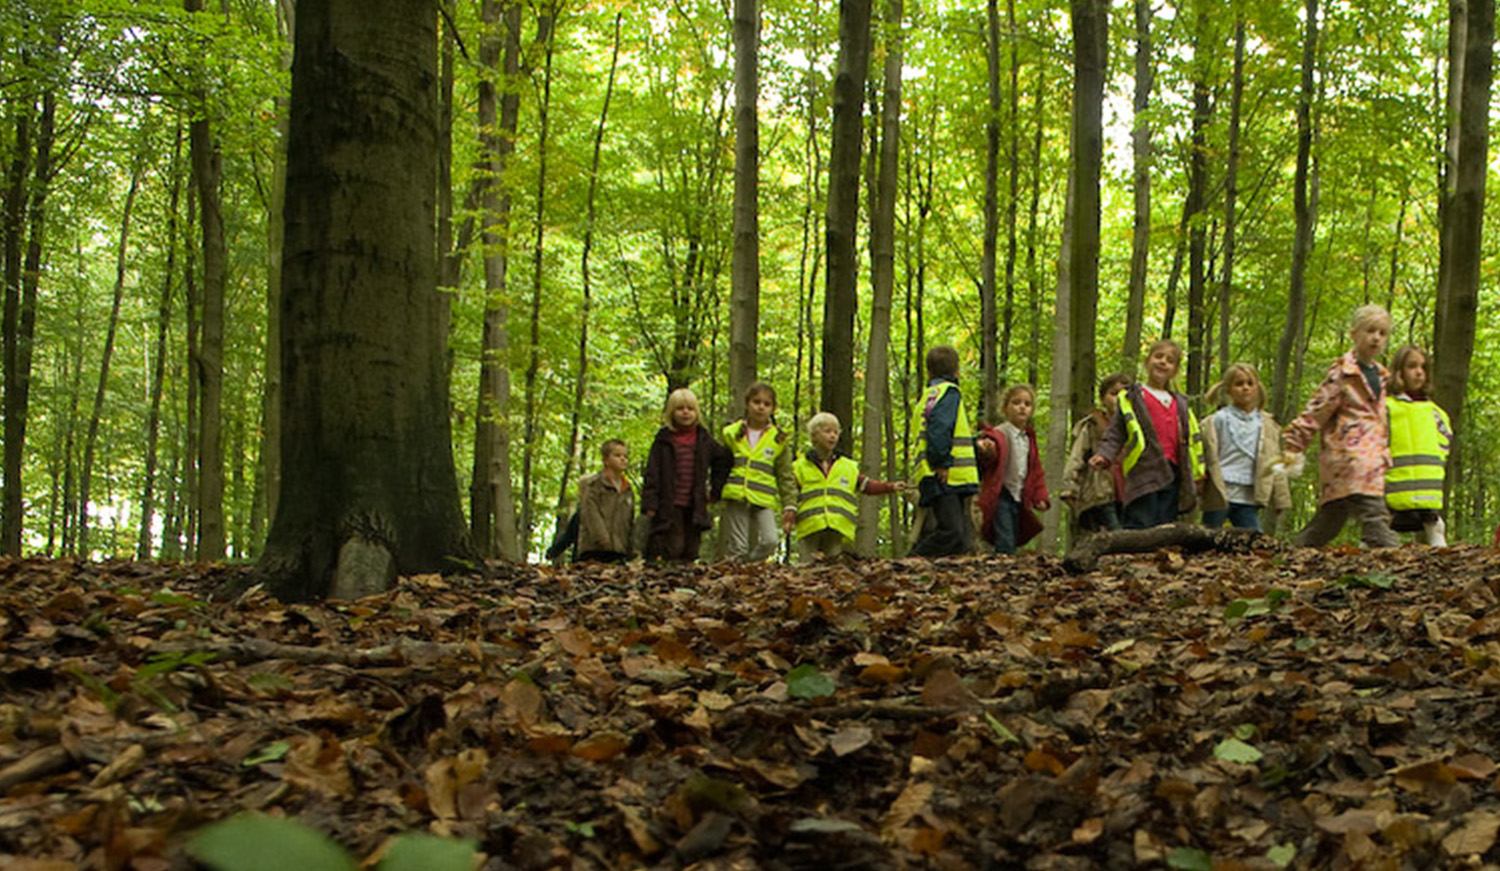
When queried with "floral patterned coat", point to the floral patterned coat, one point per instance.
{"points": [[1355, 451]]}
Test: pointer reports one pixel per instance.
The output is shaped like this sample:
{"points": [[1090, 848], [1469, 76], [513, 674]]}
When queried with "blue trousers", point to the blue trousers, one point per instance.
{"points": [[1240, 515], [1006, 523]]}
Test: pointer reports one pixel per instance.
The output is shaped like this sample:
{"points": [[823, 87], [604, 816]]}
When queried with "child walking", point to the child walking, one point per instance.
{"points": [[1348, 412], [947, 473], [760, 481], [685, 471], [606, 508], [829, 485], [1156, 439], [1093, 495], [1241, 444], [1420, 440], [1012, 487]]}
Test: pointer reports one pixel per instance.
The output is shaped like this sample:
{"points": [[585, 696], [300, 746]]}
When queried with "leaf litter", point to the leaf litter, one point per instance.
{"points": [[967, 713]]}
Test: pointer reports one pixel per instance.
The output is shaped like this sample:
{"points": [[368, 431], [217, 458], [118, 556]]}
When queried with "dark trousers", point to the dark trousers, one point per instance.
{"points": [[1240, 515], [674, 537], [1100, 518], [1006, 523], [947, 531]]}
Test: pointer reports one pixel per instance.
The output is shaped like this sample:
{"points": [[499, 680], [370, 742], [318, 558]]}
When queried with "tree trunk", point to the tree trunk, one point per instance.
{"points": [[492, 511], [989, 364], [1140, 137], [369, 490], [810, 253], [1062, 371], [1455, 347], [841, 295], [159, 370], [1197, 197], [1305, 215], [207, 172], [268, 482], [192, 304], [86, 477], [1012, 200], [883, 277], [744, 273], [1447, 164], [1090, 52], [1231, 190]]}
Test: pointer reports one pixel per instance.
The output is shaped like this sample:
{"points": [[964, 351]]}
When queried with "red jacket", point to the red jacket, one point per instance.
{"points": [[992, 482]]}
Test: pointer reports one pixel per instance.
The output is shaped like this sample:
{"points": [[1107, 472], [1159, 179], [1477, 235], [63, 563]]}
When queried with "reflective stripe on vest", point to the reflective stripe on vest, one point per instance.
{"points": [[752, 478], [1135, 438], [826, 501], [965, 470], [1420, 439]]}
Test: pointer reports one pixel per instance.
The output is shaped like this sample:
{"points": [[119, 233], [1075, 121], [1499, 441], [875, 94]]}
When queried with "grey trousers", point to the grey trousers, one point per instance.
{"points": [[750, 533], [825, 543], [1374, 522]]}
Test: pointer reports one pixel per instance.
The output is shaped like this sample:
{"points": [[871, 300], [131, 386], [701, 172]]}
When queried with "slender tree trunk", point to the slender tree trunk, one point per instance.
{"points": [[86, 478], [192, 304], [841, 296], [1302, 242], [1140, 136], [744, 273], [1231, 190], [268, 482], [1007, 312], [988, 308], [1447, 163], [14, 207], [883, 275], [1455, 347], [1033, 274], [159, 361], [1090, 52], [810, 254], [1396, 242], [1197, 346], [1062, 370]]}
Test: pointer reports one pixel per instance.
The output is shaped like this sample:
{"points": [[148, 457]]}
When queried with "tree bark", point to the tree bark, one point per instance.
{"points": [[268, 482], [744, 272], [1190, 537], [1197, 207], [841, 294], [1305, 213], [989, 321], [1140, 137], [1231, 190], [159, 361], [1090, 53], [370, 489], [14, 208]]}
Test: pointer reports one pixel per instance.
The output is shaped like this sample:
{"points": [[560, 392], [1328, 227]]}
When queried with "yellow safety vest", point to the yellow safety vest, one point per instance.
{"points": [[1420, 439], [964, 469], [828, 501], [1135, 438], [753, 476]]}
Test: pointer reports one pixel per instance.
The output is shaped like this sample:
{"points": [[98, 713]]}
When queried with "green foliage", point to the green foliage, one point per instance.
{"points": [[252, 842], [1189, 859], [1271, 602], [1235, 750], [807, 682]]}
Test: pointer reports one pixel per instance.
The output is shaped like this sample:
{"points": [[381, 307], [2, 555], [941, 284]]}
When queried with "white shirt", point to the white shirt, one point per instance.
{"points": [[1014, 474]]}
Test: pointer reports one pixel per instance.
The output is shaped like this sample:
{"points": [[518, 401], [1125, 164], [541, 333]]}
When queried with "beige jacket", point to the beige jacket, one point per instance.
{"points": [[1084, 487], [605, 516], [1271, 490]]}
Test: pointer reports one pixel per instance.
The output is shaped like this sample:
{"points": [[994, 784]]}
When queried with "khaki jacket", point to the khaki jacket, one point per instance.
{"points": [[1083, 486], [1271, 490], [605, 516]]}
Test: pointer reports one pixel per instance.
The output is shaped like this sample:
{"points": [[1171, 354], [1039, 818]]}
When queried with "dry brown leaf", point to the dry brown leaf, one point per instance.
{"points": [[1475, 836], [945, 689], [601, 746], [913, 800], [850, 738]]}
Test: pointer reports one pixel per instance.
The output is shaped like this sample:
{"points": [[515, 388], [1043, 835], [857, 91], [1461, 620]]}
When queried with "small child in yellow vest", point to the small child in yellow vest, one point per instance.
{"points": [[1421, 437], [760, 481], [829, 484]]}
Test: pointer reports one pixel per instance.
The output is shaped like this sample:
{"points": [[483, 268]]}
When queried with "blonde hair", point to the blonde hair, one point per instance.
{"points": [[1369, 315], [1396, 383], [823, 420], [679, 398], [1013, 390], [1165, 343], [1233, 373]]}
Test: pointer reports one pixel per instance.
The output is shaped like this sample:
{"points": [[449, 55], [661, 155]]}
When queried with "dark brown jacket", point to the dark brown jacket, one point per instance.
{"points": [[659, 482]]}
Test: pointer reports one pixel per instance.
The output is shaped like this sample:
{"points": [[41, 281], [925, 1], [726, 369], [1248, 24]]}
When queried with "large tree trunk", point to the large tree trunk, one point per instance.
{"points": [[159, 362], [268, 482], [883, 278], [492, 511], [744, 273], [1090, 52], [207, 172], [1140, 136], [1197, 197], [1282, 393], [841, 296], [369, 490], [989, 364], [1447, 163], [1455, 346]]}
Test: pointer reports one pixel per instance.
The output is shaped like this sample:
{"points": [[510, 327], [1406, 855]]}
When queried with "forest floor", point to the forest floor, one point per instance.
{"points": [[1303, 709]]}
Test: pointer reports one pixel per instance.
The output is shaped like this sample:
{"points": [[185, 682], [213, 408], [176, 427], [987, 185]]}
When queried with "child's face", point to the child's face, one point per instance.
{"points": [[1243, 393], [1369, 340], [617, 459], [1018, 408], [684, 416], [1112, 398], [758, 409], [1161, 367], [826, 439], [1414, 371]]}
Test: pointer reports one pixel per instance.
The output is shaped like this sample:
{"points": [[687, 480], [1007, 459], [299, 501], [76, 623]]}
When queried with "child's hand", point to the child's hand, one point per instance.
{"points": [[1098, 462], [941, 474], [1043, 504], [788, 519], [900, 486], [1291, 464]]}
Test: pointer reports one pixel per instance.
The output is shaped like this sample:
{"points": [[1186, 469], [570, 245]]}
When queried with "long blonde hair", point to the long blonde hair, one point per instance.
{"points": [[1233, 373]]}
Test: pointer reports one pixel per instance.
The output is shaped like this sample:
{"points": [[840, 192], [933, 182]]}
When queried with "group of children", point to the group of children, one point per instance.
{"points": [[1138, 460]]}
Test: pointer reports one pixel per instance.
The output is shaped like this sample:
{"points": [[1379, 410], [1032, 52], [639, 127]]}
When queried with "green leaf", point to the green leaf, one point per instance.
{"points": [[806, 682], [1190, 859], [267, 682], [824, 826], [419, 852], [1235, 750], [270, 753], [1245, 731], [1236, 609], [1282, 854], [252, 842], [1005, 735], [584, 829]]}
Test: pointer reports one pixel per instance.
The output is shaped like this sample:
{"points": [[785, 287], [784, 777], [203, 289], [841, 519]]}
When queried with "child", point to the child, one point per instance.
{"points": [[1093, 494], [947, 474], [684, 472], [606, 508], [1012, 488], [761, 478], [1348, 411], [1420, 439], [1241, 444], [1162, 449], [827, 503]]}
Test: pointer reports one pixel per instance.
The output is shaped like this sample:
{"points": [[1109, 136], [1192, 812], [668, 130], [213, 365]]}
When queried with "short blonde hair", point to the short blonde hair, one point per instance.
{"points": [[1232, 373], [823, 420], [679, 398], [1013, 390], [1369, 315]]}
